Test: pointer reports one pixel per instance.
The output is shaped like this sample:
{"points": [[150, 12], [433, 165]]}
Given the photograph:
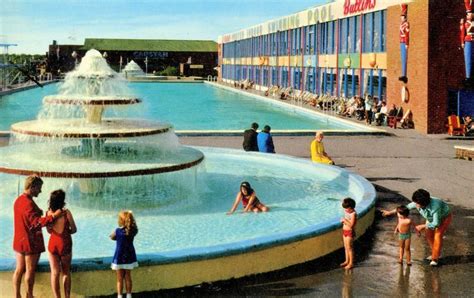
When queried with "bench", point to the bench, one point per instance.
{"points": [[465, 152]]}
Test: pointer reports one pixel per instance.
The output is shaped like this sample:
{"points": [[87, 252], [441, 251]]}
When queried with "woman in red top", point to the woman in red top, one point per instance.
{"points": [[249, 200], [28, 240], [60, 243]]}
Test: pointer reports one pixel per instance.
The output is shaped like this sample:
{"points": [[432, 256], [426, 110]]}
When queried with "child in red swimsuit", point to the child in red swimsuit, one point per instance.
{"points": [[249, 200], [60, 243], [348, 231]]}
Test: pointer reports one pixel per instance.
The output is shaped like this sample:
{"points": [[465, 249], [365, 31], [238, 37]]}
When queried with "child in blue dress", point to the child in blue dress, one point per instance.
{"points": [[125, 258]]}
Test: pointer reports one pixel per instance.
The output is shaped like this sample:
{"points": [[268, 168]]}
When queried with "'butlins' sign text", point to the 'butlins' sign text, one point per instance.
{"points": [[358, 6]]}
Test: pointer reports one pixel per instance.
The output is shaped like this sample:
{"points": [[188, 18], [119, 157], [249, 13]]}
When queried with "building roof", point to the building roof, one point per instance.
{"points": [[162, 45]]}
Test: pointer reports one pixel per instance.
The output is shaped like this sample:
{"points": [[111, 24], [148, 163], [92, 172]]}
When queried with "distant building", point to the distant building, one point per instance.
{"points": [[193, 57]]}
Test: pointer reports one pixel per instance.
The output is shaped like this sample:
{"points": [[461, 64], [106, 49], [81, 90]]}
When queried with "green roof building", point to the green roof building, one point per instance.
{"points": [[146, 45], [188, 57]]}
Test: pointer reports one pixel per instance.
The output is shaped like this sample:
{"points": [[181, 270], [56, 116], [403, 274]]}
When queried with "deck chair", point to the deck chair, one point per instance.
{"points": [[393, 120], [455, 128]]}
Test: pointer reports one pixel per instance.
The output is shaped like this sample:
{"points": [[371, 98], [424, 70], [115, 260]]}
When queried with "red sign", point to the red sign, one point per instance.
{"points": [[358, 6]]}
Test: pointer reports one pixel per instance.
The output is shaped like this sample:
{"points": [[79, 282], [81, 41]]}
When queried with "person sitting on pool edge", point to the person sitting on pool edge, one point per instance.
{"points": [[318, 154], [250, 138], [249, 200], [265, 140]]}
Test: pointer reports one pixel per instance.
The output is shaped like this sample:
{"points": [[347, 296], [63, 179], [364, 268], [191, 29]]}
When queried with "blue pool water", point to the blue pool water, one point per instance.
{"points": [[187, 106], [304, 198]]}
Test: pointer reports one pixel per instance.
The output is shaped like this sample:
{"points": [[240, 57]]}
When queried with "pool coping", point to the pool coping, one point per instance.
{"points": [[276, 132], [364, 205], [364, 130]]}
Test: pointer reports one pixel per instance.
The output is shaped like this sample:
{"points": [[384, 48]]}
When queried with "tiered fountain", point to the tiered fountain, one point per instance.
{"points": [[132, 69], [106, 163]]}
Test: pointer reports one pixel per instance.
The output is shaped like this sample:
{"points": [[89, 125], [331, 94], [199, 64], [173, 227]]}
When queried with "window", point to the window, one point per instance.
{"points": [[377, 41], [309, 79], [368, 33], [379, 84], [293, 42], [274, 76], [384, 30], [355, 83], [344, 35], [309, 42], [329, 82], [346, 80], [265, 76], [330, 38], [322, 38], [284, 77], [297, 76], [357, 37]]}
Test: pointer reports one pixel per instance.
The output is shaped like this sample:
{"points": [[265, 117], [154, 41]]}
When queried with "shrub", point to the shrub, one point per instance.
{"points": [[169, 71]]}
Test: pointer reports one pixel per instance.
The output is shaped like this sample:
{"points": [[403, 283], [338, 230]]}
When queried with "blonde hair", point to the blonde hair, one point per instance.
{"points": [[32, 180], [127, 221]]}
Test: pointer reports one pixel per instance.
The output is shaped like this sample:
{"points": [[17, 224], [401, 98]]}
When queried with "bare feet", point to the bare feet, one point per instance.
{"points": [[400, 261], [343, 264], [349, 266]]}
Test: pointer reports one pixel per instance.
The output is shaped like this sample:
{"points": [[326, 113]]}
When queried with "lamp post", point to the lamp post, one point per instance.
{"points": [[75, 55]]}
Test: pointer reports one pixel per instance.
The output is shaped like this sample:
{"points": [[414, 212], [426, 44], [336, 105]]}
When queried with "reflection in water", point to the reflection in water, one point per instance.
{"points": [[433, 275], [403, 281], [347, 284]]}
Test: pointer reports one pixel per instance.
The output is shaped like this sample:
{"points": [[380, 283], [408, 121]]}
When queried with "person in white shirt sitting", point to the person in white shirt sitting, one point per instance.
{"points": [[381, 116]]}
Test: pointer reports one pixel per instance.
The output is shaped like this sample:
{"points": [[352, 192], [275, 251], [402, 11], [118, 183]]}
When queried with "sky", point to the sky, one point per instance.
{"points": [[34, 24]]}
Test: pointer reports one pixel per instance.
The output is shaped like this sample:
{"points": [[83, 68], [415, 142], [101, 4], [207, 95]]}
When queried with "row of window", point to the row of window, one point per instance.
{"points": [[315, 80], [317, 39]]}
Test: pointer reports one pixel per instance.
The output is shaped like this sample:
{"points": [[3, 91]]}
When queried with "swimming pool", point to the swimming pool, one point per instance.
{"points": [[196, 107], [185, 237], [307, 201]]}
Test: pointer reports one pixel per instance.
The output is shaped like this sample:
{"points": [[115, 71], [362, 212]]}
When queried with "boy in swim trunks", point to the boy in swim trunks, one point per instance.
{"points": [[403, 229], [348, 231]]}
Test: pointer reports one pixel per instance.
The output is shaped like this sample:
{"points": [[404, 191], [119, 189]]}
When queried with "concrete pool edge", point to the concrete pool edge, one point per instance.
{"points": [[203, 133], [177, 275]]}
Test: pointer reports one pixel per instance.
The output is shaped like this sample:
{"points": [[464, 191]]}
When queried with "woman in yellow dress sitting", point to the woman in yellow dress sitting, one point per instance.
{"points": [[318, 154]]}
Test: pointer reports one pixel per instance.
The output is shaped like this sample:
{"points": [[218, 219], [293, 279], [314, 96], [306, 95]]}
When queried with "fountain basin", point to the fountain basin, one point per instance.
{"points": [[192, 241], [116, 159]]}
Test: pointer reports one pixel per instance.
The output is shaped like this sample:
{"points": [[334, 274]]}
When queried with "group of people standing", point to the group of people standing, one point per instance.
{"points": [[28, 241]]}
